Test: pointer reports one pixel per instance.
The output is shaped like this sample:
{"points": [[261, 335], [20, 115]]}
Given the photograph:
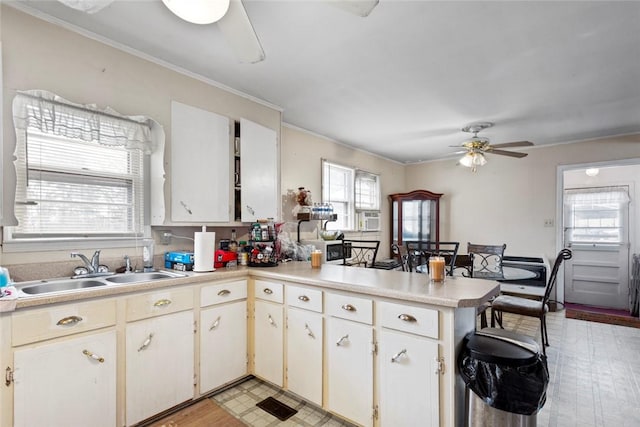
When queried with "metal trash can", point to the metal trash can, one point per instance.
{"points": [[506, 377]]}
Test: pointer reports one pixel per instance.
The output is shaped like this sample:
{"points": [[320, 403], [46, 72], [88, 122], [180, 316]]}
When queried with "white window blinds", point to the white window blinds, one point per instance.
{"points": [[79, 171]]}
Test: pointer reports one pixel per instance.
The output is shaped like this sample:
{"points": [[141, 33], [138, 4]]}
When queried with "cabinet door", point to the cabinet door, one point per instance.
{"points": [[409, 384], [304, 354], [258, 171], [350, 370], [200, 184], [268, 342], [159, 364], [223, 344], [58, 384]]}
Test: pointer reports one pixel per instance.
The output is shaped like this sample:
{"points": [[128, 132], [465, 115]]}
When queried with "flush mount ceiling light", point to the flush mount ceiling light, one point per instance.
{"points": [[198, 11], [472, 160], [592, 172]]}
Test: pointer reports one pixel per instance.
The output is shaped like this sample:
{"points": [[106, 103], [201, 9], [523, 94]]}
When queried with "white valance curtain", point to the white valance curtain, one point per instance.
{"points": [[51, 114], [597, 195]]}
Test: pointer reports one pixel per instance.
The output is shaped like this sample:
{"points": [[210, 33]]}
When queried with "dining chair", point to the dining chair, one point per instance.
{"points": [[360, 252], [396, 251], [486, 260], [448, 250], [530, 307]]}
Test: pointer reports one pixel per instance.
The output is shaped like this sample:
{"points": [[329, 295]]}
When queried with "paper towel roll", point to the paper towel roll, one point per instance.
{"points": [[204, 248]]}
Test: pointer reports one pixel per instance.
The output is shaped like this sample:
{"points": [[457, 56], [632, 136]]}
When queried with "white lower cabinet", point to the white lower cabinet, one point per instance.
{"points": [[159, 364], [304, 354], [408, 365], [350, 370], [269, 341], [408, 380], [66, 383], [223, 335]]}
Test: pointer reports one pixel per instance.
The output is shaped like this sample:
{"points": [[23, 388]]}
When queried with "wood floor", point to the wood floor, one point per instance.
{"points": [[204, 413]]}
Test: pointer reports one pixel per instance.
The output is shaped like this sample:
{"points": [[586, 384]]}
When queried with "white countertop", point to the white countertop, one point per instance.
{"points": [[415, 287]]}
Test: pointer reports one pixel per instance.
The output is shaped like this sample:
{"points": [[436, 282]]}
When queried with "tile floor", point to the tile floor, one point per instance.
{"points": [[594, 379]]}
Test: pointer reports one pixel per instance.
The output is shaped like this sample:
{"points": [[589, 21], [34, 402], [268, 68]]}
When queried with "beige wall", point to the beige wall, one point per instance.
{"points": [[508, 200], [40, 55], [301, 156]]}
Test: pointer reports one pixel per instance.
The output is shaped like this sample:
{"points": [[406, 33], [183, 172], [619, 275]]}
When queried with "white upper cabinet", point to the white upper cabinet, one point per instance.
{"points": [[258, 172], [200, 177]]}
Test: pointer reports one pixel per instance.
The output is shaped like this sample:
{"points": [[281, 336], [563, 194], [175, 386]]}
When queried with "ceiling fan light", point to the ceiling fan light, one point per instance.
{"points": [[473, 159], [198, 11]]}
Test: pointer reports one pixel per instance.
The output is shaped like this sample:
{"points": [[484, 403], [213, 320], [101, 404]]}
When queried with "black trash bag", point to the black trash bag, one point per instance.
{"points": [[518, 386]]}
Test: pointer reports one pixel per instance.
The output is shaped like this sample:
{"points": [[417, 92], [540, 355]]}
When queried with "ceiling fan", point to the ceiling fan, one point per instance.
{"points": [[476, 147], [231, 17]]}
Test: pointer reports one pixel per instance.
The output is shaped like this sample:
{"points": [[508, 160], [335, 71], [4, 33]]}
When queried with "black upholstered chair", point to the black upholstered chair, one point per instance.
{"points": [[361, 253], [530, 307]]}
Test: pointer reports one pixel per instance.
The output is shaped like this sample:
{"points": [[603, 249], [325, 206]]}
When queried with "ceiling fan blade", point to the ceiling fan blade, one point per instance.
{"points": [[239, 32], [506, 153], [358, 7], [513, 144]]}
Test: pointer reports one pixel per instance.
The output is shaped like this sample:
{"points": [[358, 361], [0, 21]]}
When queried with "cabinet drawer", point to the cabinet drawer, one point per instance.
{"points": [[159, 303], [416, 320], [269, 291], [350, 307], [51, 322], [310, 299], [223, 292]]}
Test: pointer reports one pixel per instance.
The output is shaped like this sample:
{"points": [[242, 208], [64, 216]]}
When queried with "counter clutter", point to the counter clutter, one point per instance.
{"points": [[377, 313]]}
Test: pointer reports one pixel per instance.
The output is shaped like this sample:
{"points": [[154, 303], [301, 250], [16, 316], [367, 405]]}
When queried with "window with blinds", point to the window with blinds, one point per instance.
{"points": [[78, 174], [349, 190]]}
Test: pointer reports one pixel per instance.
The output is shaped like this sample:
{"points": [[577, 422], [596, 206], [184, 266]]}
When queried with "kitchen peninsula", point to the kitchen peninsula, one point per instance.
{"points": [[376, 347]]}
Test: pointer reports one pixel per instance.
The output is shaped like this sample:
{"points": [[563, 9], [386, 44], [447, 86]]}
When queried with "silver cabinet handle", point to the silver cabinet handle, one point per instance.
{"points": [[349, 307], [93, 356], [303, 298], [162, 303], [215, 324], [267, 291], [224, 293], [309, 333], [407, 318], [272, 322], [146, 342], [339, 342], [69, 321], [398, 355]]}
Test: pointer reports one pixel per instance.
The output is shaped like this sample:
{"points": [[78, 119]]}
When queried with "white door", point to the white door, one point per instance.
{"points": [[596, 225], [409, 386], [159, 364], [350, 370], [269, 341], [304, 354], [61, 385], [223, 344], [259, 171]]}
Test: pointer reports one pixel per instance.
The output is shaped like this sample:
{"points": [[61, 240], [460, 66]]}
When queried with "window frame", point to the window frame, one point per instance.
{"points": [[15, 240]]}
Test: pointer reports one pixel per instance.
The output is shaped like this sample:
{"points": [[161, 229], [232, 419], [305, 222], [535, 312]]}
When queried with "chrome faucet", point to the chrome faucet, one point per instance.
{"points": [[93, 265]]}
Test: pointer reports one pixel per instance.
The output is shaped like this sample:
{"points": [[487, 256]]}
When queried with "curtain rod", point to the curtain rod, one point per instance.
{"points": [[84, 109]]}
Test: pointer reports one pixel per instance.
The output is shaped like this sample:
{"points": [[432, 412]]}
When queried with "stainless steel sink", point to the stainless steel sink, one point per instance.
{"points": [[143, 277], [59, 286]]}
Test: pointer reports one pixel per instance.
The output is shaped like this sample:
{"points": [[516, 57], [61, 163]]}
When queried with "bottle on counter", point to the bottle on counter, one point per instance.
{"points": [[233, 243]]}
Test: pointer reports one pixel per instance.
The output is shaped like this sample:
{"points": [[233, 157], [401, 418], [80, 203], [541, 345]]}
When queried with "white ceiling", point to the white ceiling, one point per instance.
{"points": [[403, 81]]}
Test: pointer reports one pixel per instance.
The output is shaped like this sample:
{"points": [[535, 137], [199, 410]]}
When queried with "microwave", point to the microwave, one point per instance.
{"points": [[331, 250], [369, 221]]}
